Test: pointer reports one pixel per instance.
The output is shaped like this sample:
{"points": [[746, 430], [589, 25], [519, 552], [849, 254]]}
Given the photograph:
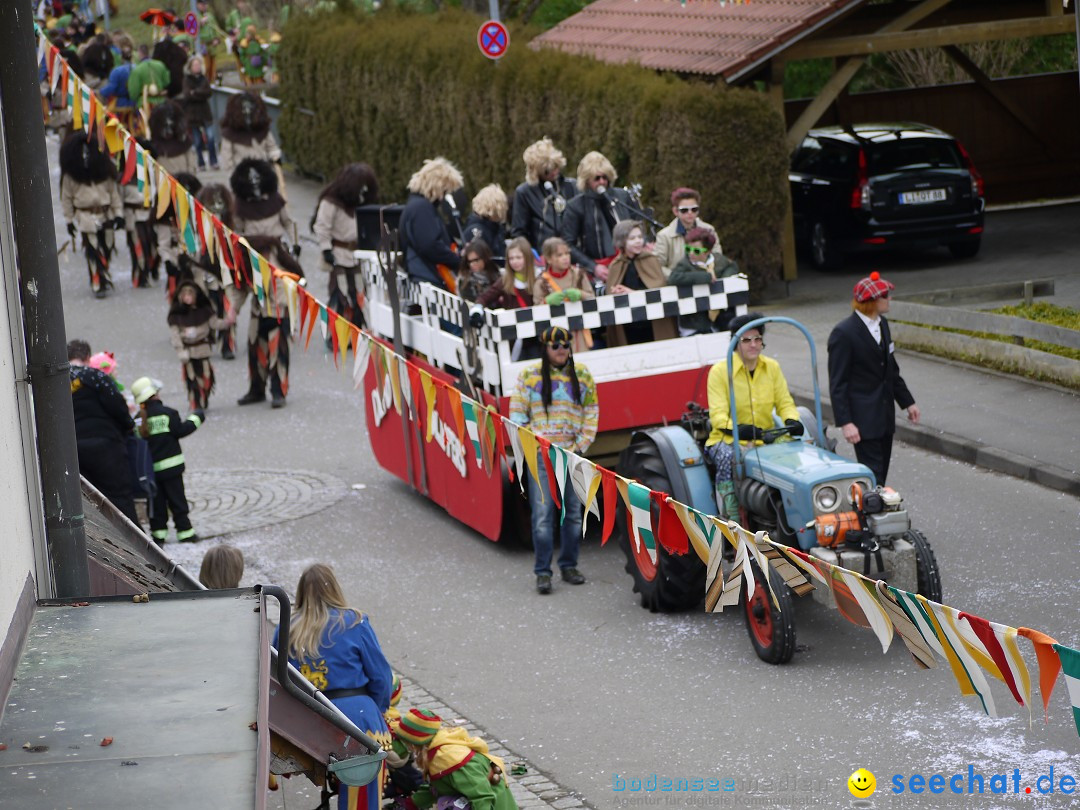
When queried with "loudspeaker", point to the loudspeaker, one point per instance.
{"points": [[374, 220]]}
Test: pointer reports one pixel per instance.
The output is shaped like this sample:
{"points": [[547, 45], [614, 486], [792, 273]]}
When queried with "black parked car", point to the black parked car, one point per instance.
{"points": [[875, 186]]}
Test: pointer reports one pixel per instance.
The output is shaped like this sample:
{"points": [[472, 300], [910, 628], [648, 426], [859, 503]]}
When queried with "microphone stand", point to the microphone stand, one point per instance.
{"points": [[638, 212]]}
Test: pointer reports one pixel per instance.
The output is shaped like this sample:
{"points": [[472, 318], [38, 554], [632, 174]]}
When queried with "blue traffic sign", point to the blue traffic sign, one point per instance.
{"points": [[493, 39]]}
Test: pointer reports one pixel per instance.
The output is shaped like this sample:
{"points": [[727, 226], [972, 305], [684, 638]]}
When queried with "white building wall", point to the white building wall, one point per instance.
{"points": [[16, 538]]}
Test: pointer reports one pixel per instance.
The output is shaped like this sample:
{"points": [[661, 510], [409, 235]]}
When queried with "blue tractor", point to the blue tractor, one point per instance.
{"points": [[795, 488]]}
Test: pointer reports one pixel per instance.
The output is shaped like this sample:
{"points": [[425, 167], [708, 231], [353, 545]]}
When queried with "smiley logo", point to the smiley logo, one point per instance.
{"points": [[862, 783]]}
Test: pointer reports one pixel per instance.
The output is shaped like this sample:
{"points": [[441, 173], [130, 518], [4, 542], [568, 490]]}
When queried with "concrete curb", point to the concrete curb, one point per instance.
{"points": [[969, 450]]}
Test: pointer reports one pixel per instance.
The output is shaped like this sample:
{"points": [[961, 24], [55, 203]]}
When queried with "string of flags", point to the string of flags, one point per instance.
{"points": [[971, 646]]}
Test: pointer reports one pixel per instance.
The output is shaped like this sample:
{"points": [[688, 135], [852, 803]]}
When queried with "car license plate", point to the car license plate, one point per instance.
{"points": [[930, 195]]}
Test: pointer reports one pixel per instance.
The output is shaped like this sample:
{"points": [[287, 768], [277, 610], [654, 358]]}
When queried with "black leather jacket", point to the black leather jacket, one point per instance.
{"points": [[588, 222], [536, 215]]}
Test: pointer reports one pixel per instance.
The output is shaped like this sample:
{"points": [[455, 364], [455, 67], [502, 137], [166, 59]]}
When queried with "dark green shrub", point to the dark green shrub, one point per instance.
{"points": [[393, 89]]}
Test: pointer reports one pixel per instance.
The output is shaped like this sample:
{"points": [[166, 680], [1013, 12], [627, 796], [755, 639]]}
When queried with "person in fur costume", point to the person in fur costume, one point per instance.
{"points": [[167, 235], [170, 139], [262, 218], [174, 56], [191, 322], [91, 202], [207, 270], [98, 61], [334, 226], [245, 132], [139, 228]]}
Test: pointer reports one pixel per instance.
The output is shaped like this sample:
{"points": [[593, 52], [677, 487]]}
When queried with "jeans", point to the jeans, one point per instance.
{"points": [[203, 140], [545, 521]]}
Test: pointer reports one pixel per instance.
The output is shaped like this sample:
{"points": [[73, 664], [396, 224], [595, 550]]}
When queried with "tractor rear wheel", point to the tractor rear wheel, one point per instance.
{"points": [[771, 629], [666, 582]]}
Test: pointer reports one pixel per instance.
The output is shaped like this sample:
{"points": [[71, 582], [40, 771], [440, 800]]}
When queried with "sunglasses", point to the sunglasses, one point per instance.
{"points": [[560, 345], [696, 251], [600, 178], [746, 341], [476, 260], [688, 209]]}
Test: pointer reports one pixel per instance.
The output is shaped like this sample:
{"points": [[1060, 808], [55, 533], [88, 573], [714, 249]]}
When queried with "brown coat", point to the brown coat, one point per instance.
{"points": [[651, 273]]}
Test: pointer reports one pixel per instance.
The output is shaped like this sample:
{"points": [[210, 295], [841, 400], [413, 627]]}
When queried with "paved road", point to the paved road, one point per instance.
{"points": [[587, 685]]}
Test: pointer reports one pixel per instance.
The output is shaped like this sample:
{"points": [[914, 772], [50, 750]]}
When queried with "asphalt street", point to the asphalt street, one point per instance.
{"points": [[590, 688]]}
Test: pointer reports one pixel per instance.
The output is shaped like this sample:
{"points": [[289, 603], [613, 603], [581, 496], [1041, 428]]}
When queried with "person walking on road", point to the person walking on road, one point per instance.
{"points": [[864, 378], [556, 399], [163, 429]]}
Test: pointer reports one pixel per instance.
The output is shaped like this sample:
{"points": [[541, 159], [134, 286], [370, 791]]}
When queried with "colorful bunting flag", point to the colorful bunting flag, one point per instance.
{"points": [[1070, 664], [1049, 664], [669, 531], [965, 670], [920, 650], [427, 384], [468, 410], [611, 493], [994, 641], [639, 514], [549, 472], [513, 436], [586, 483]]}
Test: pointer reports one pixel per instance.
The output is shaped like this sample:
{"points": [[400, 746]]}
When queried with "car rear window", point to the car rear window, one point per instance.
{"points": [[912, 153]]}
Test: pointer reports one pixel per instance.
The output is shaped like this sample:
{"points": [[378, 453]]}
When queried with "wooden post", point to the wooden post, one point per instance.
{"points": [[787, 233]]}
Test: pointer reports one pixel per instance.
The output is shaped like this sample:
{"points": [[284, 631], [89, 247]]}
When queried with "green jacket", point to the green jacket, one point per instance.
{"points": [[148, 72], [684, 274]]}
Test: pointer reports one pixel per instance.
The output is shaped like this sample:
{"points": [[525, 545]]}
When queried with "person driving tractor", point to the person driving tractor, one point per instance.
{"points": [[760, 388]]}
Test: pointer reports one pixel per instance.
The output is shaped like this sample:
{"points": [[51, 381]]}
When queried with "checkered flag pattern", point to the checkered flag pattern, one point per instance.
{"points": [[637, 306]]}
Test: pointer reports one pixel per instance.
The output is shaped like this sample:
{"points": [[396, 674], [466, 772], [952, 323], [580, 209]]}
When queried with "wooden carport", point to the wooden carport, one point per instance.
{"points": [[896, 26]]}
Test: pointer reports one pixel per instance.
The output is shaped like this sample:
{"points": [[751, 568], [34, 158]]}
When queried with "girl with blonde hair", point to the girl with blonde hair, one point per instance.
{"points": [[335, 647]]}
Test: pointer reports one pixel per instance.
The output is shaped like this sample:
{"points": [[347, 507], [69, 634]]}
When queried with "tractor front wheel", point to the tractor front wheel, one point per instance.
{"points": [[771, 628]]}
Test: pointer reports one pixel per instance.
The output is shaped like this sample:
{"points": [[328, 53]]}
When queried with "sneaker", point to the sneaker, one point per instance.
{"points": [[193, 539], [573, 576], [543, 583], [251, 397], [278, 401]]}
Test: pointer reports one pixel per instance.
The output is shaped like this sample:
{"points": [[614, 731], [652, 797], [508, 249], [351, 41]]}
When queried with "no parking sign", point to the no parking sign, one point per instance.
{"points": [[493, 39], [191, 24]]}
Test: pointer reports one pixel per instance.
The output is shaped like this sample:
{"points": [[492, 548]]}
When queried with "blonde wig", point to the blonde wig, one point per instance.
{"points": [[591, 165], [491, 203], [435, 179], [541, 158], [317, 592]]}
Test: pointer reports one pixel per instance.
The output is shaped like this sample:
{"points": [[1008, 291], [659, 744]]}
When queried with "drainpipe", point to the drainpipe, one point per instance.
{"points": [[30, 205]]}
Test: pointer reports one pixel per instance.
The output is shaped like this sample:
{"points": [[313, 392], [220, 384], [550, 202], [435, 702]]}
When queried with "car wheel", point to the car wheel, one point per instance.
{"points": [[966, 249], [823, 252]]}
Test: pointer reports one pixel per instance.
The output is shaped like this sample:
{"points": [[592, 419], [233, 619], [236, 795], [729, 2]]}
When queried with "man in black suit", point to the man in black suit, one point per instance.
{"points": [[864, 379]]}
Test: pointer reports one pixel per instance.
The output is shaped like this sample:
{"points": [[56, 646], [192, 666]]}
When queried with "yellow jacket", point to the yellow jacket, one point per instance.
{"points": [[766, 390]]}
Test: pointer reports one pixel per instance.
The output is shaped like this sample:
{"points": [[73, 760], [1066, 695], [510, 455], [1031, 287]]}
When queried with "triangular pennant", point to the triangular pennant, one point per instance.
{"points": [[76, 103], [990, 644], [512, 430], [468, 410], [961, 665], [639, 517], [1070, 664], [488, 439], [164, 192], [1049, 664], [115, 138], [560, 463], [130, 163], [611, 503], [909, 633], [427, 385], [864, 592], [500, 441], [696, 529], [669, 530], [342, 332], [454, 397], [549, 472], [412, 371], [530, 451], [361, 357], [586, 482]]}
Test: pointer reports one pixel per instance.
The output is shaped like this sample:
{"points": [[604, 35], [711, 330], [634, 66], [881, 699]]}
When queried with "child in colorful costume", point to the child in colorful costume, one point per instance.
{"points": [[454, 763]]}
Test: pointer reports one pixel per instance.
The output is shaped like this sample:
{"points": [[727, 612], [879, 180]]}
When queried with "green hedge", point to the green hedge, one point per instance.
{"points": [[392, 89]]}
